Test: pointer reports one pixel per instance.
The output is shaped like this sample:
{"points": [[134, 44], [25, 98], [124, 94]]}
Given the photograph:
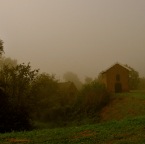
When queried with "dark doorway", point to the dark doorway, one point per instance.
{"points": [[118, 88]]}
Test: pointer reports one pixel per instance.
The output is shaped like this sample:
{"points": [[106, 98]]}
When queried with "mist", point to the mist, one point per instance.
{"points": [[82, 36]]}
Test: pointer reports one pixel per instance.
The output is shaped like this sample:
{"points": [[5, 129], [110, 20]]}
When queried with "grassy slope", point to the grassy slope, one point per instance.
{"points": [[125, 131], [124, 105]]}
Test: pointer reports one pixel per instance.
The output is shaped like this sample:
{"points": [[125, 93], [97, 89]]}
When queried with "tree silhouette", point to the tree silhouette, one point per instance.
{"points": [[1, 47], [133, 78], [72, 77]]}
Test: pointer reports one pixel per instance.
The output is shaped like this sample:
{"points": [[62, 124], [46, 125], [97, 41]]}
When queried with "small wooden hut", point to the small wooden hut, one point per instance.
{"points": [[116, 78]]}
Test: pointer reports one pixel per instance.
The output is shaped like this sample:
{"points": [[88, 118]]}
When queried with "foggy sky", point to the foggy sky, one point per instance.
{"points": [[82, 36]]}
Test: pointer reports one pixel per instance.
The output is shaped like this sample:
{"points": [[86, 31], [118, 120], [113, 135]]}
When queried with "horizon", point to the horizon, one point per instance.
{"points": [[84, 36]]}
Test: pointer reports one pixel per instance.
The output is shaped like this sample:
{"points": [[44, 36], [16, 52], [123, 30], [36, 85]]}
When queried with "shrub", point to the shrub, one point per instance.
{"points": [[93, 97], [13, 117]]}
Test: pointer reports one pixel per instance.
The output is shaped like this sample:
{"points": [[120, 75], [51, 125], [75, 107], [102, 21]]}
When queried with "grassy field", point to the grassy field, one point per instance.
{"points": [[129, 128]]}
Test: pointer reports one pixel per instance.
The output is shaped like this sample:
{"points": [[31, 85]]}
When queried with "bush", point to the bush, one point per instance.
{"points": [[15, 97], [4, 110], [93, 97], [13, 117]]}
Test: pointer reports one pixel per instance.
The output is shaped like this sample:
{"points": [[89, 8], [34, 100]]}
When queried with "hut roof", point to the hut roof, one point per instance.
{"points": [[114, 65]]}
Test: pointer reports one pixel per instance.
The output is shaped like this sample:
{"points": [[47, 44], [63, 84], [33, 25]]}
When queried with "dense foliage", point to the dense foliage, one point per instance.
{"points": [[92, 98], [30, 96], [16, 86], [16, 81], [43, 96]]}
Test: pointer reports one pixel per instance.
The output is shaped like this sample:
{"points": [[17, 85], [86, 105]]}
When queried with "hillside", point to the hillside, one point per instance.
{"points": [[124, 105]]}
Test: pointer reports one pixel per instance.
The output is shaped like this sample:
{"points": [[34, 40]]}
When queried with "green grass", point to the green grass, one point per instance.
{"points": [[127, 130]]}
